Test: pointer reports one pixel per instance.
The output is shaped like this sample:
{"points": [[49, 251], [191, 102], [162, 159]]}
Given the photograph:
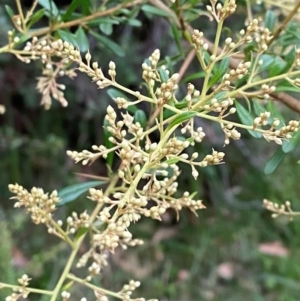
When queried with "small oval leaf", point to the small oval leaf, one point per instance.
{"points": [[70, 193], [274, 162], [182, 117], [246, 118], [290, 145], [141, 117]]}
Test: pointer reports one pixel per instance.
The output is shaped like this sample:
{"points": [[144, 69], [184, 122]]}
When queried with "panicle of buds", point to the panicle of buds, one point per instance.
{"points": [[235, 74], [280, 209], [39, 205], [230, 132]]}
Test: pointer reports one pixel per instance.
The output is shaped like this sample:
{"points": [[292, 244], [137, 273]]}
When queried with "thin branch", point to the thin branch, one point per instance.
{"points": [[81, 21], [186, 64], [284, 23]]}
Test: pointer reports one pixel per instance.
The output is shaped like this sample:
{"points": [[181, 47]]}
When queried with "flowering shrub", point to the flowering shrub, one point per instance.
{"points": [[146, 180]]}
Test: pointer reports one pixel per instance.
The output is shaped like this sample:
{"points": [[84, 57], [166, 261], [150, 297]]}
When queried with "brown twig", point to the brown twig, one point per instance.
{"points": [[284, 23], [186, 64], [80, 21]]}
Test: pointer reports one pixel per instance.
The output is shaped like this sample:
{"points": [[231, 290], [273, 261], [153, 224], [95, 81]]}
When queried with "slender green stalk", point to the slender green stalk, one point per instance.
{"points": [[212, 63]]}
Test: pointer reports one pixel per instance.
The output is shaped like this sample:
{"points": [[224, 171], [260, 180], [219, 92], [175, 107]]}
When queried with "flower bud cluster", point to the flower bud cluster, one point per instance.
{"points": [[174, 146], [75, 223], [128, 289], [282, 209], [98, 196], [112, 70], [192, 94], [263, 38], [115, 235], [186, 201], [99, 258], [24, 280], [220, 12], [219, 107], [266, 90], [285, 131], [198, 41], [20, 292], [238, 73], [230, 132], [197, 134], [213, 159], [45, 50], [94, 269], [121, 102], [37, 49], [262, 120], [38, 204], [252, 28], [86, 156], [130, 156], [150, 74], [167, 89], [277, 135], [65, 295]]}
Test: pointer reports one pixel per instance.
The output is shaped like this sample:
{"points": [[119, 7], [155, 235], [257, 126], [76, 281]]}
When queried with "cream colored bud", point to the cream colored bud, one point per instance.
{"points": [[112, 65], [87, 57]]}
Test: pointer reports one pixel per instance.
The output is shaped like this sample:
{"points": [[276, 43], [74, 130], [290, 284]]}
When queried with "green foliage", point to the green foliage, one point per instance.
{"points": [[71, 193]]}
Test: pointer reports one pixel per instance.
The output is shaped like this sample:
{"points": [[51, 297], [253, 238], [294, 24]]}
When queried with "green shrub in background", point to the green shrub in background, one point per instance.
{"points": [[151, 132]]}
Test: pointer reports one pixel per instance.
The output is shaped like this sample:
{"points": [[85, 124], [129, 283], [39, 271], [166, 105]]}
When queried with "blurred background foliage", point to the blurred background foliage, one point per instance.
{"points": [[233, 251]]}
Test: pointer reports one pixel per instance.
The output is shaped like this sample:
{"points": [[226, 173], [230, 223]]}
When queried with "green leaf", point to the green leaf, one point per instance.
{"points": [[181, 105], [290, 145], [285, 86], [246, 118], [114, 93], [9, 11], [114, 47], [289, 59], [277, 66], [82, 40], [107, 143], [271, 107], [172, 161], [274, 162], [177, 37], [72, 192], [194, 76], [218, 71], [106, 28], [141, 117], [99, 21], [50, 6], [81, 232], [182, 117], [155, 11], [23, 39], [270, 20], [258, 108], [71, 8], [268, 60], [36, 17], [163, 75], [68, 37], [134, 22]]}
